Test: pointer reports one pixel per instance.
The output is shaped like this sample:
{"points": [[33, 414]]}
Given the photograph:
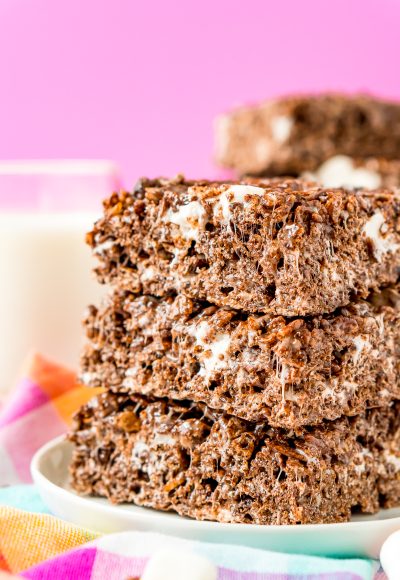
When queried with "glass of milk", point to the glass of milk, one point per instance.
{"points": [[46, 278]]}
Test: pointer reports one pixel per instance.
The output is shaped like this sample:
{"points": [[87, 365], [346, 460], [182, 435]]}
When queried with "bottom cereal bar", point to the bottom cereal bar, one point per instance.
{"points": [[208, 465]]}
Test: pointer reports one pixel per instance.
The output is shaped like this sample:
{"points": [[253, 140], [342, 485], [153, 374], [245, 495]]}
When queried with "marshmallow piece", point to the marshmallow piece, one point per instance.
{"points": [[340, 171], [178, 565], [389, 556], [281, 128], [217, 348], [373, 230], [190, 218], [237, 194]]}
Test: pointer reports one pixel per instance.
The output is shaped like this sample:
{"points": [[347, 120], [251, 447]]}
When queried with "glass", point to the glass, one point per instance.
{"points": [[45, 266]]}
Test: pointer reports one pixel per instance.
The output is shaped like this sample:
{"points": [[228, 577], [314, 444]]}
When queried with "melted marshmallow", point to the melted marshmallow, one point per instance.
{"points": [[373, 231], [101, 248], [164, 440], [329, 390], [392, 459], [282, 373], [342, 396], [217, 348], [189, 218], [292, 230], [360, 344], [148, 273], [362, 455], [224, 515], [308, 458], [138, 450], [281, 128], [87, 378], [339, 171], [235, 194]]}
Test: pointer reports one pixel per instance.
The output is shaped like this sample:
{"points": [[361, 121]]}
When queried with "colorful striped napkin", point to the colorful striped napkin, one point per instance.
{"points": [[39, 409], [40, 546]]}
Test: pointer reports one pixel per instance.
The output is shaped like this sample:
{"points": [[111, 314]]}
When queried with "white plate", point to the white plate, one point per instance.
{"points": [[363, 536]]}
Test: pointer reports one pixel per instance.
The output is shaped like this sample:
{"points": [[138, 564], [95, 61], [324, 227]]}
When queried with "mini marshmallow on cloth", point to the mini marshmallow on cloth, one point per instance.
{"points": [[40, 546]]}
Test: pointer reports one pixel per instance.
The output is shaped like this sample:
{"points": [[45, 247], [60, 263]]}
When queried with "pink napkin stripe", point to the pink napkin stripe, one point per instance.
{"points": [[87, 564], [96, 564], [115, 566], [75, 564], [8, 473], [22, 438], [28, 397]]}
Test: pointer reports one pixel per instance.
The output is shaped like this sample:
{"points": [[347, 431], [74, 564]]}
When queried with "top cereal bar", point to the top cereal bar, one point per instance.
{"points": [[283, 247]]}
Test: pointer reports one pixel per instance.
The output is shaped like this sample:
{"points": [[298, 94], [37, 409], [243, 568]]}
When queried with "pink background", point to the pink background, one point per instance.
{"points": [[140, 81]]}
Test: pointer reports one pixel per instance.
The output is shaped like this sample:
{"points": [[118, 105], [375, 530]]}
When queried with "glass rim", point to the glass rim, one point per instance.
{"points": [[71, 166], [56, 184]]}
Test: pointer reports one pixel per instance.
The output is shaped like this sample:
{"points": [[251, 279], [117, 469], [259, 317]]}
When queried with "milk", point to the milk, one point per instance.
{"points": [[46, 278]]}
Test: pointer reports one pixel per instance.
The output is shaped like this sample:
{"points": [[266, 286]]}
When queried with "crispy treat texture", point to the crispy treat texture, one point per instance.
{"points": [[291, 372], [282, 247], [212, 466], [296, 134]]}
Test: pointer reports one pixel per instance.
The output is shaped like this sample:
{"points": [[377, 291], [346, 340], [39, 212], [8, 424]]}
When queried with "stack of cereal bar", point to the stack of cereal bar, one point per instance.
{"points": [[249, 351]]}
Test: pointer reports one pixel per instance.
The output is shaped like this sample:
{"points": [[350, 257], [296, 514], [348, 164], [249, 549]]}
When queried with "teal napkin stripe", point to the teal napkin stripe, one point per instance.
{"points": [[23, 497]]}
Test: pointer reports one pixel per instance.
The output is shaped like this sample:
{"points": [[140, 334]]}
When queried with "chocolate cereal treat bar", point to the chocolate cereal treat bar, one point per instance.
{"points": [[291, 372], [207, 465], [284, 247], [295, 134]]}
